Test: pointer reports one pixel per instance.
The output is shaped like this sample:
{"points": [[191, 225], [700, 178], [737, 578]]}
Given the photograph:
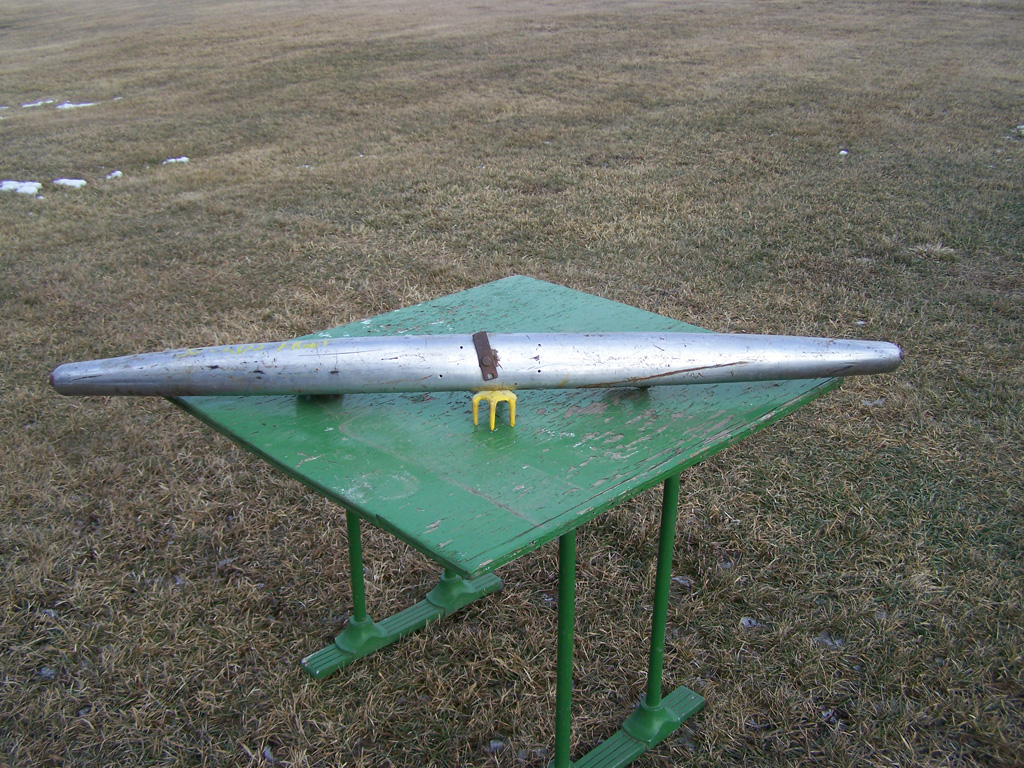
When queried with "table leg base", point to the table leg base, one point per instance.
{"points": [[647, 730], [363, 638]]}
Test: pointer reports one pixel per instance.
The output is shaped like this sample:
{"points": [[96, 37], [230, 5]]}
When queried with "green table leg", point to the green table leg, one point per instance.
{"points": [[363, 635], [566, 622], [656, 717]]}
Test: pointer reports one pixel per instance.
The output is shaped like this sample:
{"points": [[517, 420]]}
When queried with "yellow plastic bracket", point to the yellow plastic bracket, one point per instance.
{"points": [[495, 396]]}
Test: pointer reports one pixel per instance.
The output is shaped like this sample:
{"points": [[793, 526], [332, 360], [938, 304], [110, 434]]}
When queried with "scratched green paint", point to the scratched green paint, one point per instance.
{"points": [[473, 499]]}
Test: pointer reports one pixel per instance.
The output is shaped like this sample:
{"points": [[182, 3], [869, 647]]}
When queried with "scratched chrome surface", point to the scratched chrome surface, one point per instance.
{"points": [[449, 363]]}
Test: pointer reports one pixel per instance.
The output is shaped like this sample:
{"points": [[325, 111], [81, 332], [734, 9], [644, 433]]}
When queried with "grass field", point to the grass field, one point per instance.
{"points": [[848, 168]]}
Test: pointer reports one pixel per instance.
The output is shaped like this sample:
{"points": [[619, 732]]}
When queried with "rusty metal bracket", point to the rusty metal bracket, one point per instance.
{"points": [[486, 356]]}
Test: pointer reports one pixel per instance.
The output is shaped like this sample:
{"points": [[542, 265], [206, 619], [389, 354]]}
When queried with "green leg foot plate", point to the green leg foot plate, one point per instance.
{"points": [[622, 748], [362, 639]]}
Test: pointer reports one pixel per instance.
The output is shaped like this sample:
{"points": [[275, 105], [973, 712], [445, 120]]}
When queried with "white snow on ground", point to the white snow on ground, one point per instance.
{"points": [[34, 187], [63, 105], [21, 187], [69, 105]]}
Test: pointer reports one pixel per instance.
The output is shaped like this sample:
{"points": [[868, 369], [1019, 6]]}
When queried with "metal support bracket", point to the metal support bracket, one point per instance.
{"points": [[486, 356]]}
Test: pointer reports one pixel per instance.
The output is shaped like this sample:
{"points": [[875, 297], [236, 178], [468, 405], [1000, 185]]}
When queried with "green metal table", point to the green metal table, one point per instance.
{"points": [[473, 500]]}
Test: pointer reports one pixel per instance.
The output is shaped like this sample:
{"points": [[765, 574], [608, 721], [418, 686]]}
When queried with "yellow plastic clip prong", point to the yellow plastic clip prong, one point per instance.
{"points": [[495, 396]]}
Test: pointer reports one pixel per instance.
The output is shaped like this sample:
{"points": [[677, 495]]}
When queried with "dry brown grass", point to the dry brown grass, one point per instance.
{"points": [[159, 586]]}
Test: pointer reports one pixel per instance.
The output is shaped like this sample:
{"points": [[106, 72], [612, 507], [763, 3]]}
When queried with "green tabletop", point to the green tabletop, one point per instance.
{"points": [[473, 499]]}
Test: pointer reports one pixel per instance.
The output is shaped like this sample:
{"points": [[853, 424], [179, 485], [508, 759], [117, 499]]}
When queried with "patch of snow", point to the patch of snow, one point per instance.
{"points": [[21, 187], [494, 746], [73, 183], [42, 103], [47, 673], [115, 175], [174, 160], [830, 641], [69, 105]]}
